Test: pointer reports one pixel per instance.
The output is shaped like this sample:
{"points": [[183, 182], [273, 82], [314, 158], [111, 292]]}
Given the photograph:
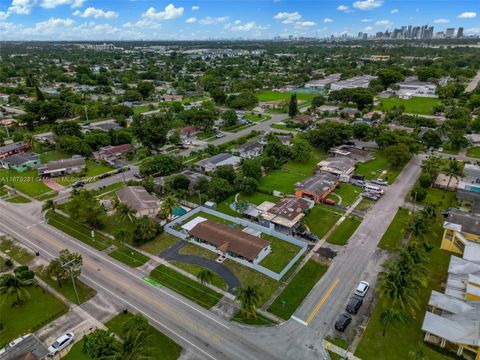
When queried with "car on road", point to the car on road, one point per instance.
{"points": [[61, 343], [354, 304], [362, 288], [79, 183], [219, 135], [342, 322], [380, 182]]}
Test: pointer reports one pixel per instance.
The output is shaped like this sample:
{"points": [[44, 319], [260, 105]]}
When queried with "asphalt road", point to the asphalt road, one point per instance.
{"points": [[474, 83]]}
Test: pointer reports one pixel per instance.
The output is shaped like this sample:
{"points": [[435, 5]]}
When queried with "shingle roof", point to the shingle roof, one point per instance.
{"points": [[318, 183], [19, 159], [227, 239], [137, 198], [470, 223], [65, 163]]}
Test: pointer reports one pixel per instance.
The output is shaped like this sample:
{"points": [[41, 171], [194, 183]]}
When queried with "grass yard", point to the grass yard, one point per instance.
{"points": [[76, 352], [141, 109], [129, 256], [78, 231], [474, 151], [209, 217], [269, 95], [347, 192], [280, 180], [401, 341], [307, 167], [195, 250], [393, 237], [40, 309], [292, 296], [85, 292], [282, 253], [344, 231], [185, 286], [93, 169], [196, 269], [257, 320], [159, 244], [161, 346], [26, 182], [320, 219], [53, 155], [281, 127], [439, 197], [373, 169], [365, 204], [256, 117], [415, 105], [18, 199], [256, 198], [204, 135], [17, 253]]}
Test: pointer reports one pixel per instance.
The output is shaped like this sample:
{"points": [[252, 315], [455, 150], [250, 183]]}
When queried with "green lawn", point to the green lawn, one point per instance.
{"points": [[18, 199], [85, 292], [256, 198], [204, 135], [393, 237], [269, 95], [344, 231], [195, 250], [280, 180], [160, 243], [439, 197], [196, 269], [306, 167], [256, 117], [320, 219], [365, 204], [400, 342], [347, 192], [258, 320], [161, 346], [40, 309], [474, 151], [208, 217], [53, 155], [185, 286], [373, 169], [26, 182], [93, 169], [78, 231], [17, 253], [282, 253], [76, 352], [292, 296], [415, 105], [129, 256], [141, 109]]}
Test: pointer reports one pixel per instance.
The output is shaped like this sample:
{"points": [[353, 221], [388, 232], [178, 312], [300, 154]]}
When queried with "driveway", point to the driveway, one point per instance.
{"points": [[229, 277]]}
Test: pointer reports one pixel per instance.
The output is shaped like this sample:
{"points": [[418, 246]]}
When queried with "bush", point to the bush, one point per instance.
{"points": [[99, 344], [418, 193], [425, 181]]}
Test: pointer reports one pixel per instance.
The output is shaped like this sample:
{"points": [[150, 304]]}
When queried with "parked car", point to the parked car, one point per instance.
{"points": [[308, 235], [61, 343], [328, 202], [362, 288], [219, 134], [440, 149], [357, 177], [79, 183], [342, 322], [360, 183], [380, 182], [138, 176], [354, 304], [371, 196], [103, 176], [119, 171]]}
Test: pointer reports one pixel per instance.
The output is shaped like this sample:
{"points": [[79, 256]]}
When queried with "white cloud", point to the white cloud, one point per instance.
{"points": [[50, 26], [249, 26], [366, 20], [305, 23], [467, 15], [191, 20], [368, 29], [4, 15], [23, 7], [288, 18], [327, 20], [211, 20], [394, 11], [51, 4], [441, 21], [96, 13], [169, 13], [367, 4], [473, 31], [195, 8], [342, 8], [383, 23]]}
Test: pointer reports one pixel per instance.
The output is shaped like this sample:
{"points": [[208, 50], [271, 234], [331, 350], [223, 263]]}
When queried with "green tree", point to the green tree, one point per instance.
{"points": [[230, 118], [123, 235], [293, 106], [100, 344], [249, 298], [454, 170], [252, 168], [166, 209], [397, 155], [125, 212], [145, 230], [133, 347], [49, 205], [389, 76], [301, 150], [390, 317], [12, 286], [146, 89], [205, 276], [56, 271], [30, 140]]}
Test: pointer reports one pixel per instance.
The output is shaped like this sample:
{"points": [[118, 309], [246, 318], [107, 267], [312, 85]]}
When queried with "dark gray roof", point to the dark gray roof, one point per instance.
{"points": [[248, 146], [470, 223], [318, 183], [19, 159], [29, 343], [64, 163], [10, 147]]}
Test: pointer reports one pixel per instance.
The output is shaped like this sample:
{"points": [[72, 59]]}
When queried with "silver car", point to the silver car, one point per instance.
{"points": [[61, 343], [362, 288]]}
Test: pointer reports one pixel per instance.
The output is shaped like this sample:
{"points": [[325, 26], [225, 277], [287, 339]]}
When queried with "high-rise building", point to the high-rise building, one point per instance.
{"points": [[450, 33], [460, 32], [360, 35]]}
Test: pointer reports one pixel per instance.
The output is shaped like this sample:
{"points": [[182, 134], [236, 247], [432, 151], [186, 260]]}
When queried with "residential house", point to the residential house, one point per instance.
{"points": [[275, 104], [317, 187], [284, 139], [62, 167], [474, 139], [462, 234], [444, 181], [212, 163], [139, 199], [112, 154], [305, 118], [250, 149], [349, 112], [411, 87], [20, 162], [12, 149], [339, 166], [328, 109], [352, 83], [171, 97], [234, 244], [352, 152]]}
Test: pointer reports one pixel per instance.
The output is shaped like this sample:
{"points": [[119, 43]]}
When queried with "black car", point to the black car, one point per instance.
{"points": [[78, 184], [308, 235], [354, 304], [103, 176], [138, 176], [342, 322], [357, 177], [119, 171]]}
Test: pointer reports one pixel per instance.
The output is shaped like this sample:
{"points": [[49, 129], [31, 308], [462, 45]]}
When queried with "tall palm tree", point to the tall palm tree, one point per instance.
{"points": [[10, 285], [133, 347], [249, 298], [49, 205], [123, 235], [454, 170], [391, 316], [205, 277], [30, 140], [125, 212], [166, 209]]}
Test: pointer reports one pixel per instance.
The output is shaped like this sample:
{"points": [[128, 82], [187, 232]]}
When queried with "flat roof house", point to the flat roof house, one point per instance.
{"points": [[62, 167], [250, 149], [352, 152], [112, 153], [139, 199], [337, 166], [212, 163], [317, 187], [12, 149], [236, 244], [362, 81], [462, 234], [20, 162], [411, 87]]}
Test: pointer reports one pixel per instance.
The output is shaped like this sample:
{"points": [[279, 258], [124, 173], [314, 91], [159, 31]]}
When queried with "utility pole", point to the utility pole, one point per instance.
{"points": [[86, 112], [67, 266]]}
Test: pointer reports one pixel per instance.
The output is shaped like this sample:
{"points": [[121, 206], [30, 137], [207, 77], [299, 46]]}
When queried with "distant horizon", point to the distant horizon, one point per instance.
{"points": [[202, 20]]}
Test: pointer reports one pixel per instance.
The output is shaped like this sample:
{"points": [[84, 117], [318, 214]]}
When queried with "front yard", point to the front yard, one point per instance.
{"points": [[282, 253], [373, 169], [160, 243], [26, 182], [320, 219], [344, 231], [474, 151], [347, 192], [392, 239]]}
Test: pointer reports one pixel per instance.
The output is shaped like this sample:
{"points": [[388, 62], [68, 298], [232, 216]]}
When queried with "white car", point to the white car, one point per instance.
{"points": [[61, 343], [362, 288], [380, 182]]}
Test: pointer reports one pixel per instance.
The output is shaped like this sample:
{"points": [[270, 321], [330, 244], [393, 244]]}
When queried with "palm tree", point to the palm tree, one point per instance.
{"points": [[205, 277], [454, 170], [30, 140], [391, 316], [133, 347], [49, 205], [123, 235], [125, 212], [10, 285], [249, 298], [166, 209]]}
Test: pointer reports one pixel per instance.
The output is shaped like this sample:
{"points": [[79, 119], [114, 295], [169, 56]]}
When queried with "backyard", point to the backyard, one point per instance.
{"points": [[320, 219], [415, 105], [374, 168], [282, 253]]}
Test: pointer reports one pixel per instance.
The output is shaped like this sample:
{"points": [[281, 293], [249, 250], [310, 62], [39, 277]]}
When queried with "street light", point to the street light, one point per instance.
{"points": [[68, 267]]}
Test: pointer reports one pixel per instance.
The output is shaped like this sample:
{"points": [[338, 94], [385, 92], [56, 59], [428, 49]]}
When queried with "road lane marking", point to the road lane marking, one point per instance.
{"points": [[151, 281], [324, 298], [299, 320]]}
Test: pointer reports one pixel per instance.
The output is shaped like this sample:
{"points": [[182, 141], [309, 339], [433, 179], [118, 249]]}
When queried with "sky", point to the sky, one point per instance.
{"points": [[227, 19]]}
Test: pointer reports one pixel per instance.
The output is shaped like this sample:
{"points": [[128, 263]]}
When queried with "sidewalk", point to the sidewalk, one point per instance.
{"points": [[339, 351]]}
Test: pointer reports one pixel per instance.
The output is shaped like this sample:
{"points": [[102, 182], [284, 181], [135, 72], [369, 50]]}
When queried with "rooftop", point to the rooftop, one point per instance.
{"points": [[137, 198], [318, 183], [469, 223]]}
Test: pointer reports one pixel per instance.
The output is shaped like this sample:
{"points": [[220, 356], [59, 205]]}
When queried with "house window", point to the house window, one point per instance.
{"points": [[459, 245]]}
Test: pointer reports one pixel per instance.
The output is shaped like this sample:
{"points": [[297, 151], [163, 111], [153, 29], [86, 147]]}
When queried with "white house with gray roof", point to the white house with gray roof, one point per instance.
{"points": [[212, 163]]}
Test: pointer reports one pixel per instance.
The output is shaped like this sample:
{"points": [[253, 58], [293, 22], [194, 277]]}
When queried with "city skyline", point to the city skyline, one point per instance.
{"points": [[200, 20]]}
